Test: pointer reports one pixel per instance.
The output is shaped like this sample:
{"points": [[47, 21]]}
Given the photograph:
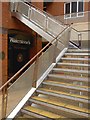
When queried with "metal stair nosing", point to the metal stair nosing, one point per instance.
{"points": [[66, 86], [59, 107], [64, 96]]}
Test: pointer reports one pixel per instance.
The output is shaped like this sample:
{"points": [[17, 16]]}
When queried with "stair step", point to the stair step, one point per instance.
{"points": [[78, 50], [76, 59], [71, 96], [74, 64], [42, 112], [71, 70], [24, 117], [62, 106], [78, 54], [67, 85], [71, 78]]}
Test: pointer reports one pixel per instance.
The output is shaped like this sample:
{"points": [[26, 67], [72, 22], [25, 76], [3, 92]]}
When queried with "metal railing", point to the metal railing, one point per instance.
{"points": [[28, 75], [40, 18], [45, 21], [75, 38]]}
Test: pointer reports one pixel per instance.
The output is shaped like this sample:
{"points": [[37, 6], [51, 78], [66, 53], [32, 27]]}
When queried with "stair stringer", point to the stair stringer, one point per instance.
{"points": [[49, 37], [33, 90]]}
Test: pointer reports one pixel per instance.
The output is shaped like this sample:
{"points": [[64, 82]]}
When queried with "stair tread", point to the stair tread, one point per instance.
{"points": [[74, 64], [79, 50], [64, 93], [66, 84], [71, 70], [70, 77], [42, 112], [82, 54], [66, 105], [81, 59]]}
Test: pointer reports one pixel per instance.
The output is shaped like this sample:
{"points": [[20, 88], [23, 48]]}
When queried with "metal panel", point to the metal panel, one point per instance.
{"points": [[45, 61], [54, 27], [74, 36], [65, 37], [22, 8], [38, 17], [19, 89]]}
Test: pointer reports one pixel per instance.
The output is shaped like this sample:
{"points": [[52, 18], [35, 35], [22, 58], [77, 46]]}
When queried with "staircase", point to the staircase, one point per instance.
{"points": [[41, 22], [65, 91]]}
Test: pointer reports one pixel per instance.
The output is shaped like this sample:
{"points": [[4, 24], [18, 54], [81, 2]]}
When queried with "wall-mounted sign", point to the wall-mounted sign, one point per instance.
{"points": [[20, 57], [14, 40]]}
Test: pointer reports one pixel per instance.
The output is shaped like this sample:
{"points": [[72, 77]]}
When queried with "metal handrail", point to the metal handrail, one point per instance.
{"points": [[1, 88], [75, 30]]}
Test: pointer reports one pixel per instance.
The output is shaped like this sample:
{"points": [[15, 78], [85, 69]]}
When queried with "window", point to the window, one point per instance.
{"points": [[74, 9], [67, 8], [80, 6]]}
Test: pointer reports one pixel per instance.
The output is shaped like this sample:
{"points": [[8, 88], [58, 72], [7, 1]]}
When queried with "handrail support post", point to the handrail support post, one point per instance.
{"points": [[35, 72], [4, 102]]}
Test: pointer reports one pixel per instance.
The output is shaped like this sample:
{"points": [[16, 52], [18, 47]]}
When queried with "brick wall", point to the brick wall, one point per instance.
{"points": [[55, 8], [3, 58]]}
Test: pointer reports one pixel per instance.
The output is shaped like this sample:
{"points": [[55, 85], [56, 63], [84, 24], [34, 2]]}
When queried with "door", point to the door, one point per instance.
{"points": [[20, 57]]}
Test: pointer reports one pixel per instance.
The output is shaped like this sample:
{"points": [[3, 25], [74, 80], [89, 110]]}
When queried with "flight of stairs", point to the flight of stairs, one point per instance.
{"points": [[65, 92]]}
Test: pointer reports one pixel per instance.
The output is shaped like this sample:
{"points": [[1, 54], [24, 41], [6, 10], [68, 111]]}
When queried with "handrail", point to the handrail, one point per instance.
{"points": [[74, 44], [75, 30], [31, 60]]}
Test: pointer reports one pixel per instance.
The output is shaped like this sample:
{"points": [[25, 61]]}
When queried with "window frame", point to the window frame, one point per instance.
{"points": [[78, 14]]}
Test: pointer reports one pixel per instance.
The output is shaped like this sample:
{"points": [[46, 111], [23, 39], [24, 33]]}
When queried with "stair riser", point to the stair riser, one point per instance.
{"points": [[55, 110], [68, 81], [24, 116], [71, 74], [78, 51], [72, 67], [64, 100], [32, 114], [76, 56], [66, 89], [40, 106], [64, 96], [74, 61], [68, 111]]}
